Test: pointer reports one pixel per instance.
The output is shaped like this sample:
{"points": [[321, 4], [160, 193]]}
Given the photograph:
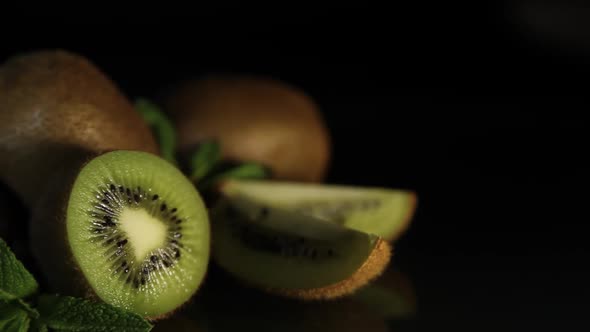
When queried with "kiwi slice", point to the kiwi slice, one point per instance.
{"points": [[291, 253], [383, 212], [136, 232]]}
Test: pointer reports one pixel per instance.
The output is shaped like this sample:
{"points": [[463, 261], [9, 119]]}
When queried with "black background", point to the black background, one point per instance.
{"points": [[467, 104]]}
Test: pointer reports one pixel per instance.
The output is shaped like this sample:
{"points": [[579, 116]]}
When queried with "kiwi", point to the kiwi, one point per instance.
{"points": [[130, 230], [256, 119], [292, 254], [383, 212], [145, 248], [54, 104]]}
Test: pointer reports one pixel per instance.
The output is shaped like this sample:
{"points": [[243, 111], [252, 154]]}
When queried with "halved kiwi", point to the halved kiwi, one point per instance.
{"points": [[132, 231], [383, 212], [293, 254]]}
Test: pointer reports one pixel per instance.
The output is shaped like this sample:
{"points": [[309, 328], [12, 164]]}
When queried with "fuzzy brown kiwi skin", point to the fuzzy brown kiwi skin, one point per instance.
{"points": [[52, 101], [373, 267], [255, 119], [48, 233]]}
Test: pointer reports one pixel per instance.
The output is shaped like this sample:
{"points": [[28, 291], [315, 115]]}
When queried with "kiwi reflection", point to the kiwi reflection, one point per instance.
{"points": [[224, 304], [392, 296]]}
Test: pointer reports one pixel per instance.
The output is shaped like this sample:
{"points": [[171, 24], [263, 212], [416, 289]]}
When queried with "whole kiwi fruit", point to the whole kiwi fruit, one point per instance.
{"points": [[54, 104], [254, 118], [79, 153]]}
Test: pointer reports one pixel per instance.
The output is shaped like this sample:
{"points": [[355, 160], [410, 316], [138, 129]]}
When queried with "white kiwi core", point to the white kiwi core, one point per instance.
{"points": [[145, 232]]}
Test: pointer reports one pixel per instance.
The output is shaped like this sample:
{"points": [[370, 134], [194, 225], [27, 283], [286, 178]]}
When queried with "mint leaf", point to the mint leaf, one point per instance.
{"points": [[243, 171], [161, 125], [13, 318], [64, 313], [204, 159], [15, 281]]}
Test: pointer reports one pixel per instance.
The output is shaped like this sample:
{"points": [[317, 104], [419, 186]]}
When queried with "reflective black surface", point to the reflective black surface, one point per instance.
{"points": [[470, 104]]}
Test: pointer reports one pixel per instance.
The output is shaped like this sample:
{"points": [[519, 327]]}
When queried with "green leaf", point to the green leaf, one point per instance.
{"points": [[243, 171], [204, 159], [13, 318], [162, 127], [64, 313], [15, 281], [32, 312]]}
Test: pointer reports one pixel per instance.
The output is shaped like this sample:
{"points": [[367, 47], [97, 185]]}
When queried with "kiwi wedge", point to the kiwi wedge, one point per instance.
{"points": [[293, 254], [383, 212], [255, 119], [131, 230]]}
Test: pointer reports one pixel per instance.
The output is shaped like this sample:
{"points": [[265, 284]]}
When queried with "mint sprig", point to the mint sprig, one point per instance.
{"points": [[243, 171], [204, 160], [15, 281], [205, 171], [161, 126], [64, 313], [59, 313], [13, 318]]}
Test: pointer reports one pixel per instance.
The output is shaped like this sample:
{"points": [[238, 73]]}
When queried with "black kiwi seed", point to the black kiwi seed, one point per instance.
{"points": [[173, 210], [154, 259], [155, 197], [163, 207], [263, 213], [136, 198]]}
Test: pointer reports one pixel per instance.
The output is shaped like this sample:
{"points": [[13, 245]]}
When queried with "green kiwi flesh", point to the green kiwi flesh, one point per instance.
{"points": [[383, 212], [138, 231], [291, 253]]}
